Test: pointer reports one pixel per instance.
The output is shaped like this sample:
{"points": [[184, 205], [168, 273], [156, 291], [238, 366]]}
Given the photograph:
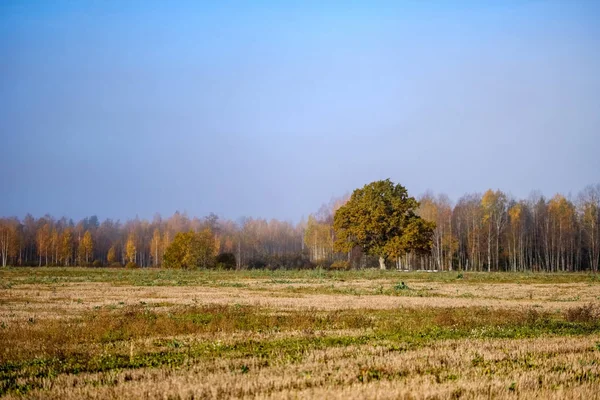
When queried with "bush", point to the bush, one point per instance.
{"points": [[226, 261], [131, 265], [298, 261], [340, 266], [115, 264], [586, 313], [256, 263], [291, 261], [324, 263], [97, 264]]}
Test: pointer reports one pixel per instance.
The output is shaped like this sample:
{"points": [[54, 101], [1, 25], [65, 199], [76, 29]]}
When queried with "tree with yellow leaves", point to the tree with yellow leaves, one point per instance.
{"points": [[111, 256], [589, 210], [191, 250], [9, 239], [43, 241], [66, 249], [86, 247], [445, 244], [562, 239], [515, 236], [156, 248], [318, 238], [494, 219], [130, 248]]}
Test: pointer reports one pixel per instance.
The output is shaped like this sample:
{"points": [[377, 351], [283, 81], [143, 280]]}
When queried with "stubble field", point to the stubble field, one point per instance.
{"points": [[74, 333]]}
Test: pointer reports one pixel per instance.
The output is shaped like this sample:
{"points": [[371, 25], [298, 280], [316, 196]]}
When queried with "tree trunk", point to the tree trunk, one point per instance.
{"points": [[489, 246], [381, 263]]}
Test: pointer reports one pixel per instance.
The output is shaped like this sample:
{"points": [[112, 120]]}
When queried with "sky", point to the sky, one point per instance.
{"points": [[270, 108]]}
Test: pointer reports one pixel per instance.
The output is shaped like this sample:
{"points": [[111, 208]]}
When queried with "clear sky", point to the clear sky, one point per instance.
{"points": [[270, 108]]}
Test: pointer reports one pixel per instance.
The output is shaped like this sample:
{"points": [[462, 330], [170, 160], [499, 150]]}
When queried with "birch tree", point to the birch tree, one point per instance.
{"points": [[589, 215]]}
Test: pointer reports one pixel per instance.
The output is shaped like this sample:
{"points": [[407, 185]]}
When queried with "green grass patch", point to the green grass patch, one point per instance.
{"points": [[163, 277]]}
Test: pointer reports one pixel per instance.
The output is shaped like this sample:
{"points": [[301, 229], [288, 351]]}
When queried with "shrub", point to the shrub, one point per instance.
{"points": [[131, 265], [256, 264], [340, 266], [226, 261], [298, 261], [97, 264], [324, 263], [586, 313], [290, 261]]}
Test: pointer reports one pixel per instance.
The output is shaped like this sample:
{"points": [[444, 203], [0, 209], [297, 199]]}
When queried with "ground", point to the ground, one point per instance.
{"points": [[74, 333]]}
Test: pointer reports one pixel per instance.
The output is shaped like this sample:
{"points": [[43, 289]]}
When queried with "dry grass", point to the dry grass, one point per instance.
{"points": [[38, 300], [548, 368], [297, 335]]}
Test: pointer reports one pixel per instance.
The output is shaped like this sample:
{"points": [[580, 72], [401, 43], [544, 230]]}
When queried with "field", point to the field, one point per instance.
{"points": [[74, 333]]}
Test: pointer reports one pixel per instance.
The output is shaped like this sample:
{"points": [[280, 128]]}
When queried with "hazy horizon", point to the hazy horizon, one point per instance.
{"points": [[269, 110]]}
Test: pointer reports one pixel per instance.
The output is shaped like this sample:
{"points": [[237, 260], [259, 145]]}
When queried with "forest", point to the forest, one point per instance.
{"points": [[479, 232]]}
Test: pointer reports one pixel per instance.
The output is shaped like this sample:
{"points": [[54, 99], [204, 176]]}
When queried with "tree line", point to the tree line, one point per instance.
{"points": [[495, 232], [480, 232]]}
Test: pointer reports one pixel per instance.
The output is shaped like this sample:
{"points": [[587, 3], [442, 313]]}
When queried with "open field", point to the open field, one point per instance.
{"points": [[108, 333]]}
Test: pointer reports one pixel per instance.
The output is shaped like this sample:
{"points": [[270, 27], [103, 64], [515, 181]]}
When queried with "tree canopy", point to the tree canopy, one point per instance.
{"points": [[381, 219], [190, 250]]}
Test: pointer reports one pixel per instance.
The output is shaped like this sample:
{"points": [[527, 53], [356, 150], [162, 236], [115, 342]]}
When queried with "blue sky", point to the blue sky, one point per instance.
{"points": [[268, 109]]}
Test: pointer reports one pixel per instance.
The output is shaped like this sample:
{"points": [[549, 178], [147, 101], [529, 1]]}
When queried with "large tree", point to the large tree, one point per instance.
{"points": [[381, 219]]}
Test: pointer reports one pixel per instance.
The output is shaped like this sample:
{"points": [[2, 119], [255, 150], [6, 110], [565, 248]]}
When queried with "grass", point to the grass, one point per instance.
{"points": [[162, 277], [361, 334], [114, 339]]}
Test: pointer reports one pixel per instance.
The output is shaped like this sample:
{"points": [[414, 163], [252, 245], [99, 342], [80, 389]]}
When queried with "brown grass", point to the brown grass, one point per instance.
{"points": [[545, 368], [46, 301]]}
